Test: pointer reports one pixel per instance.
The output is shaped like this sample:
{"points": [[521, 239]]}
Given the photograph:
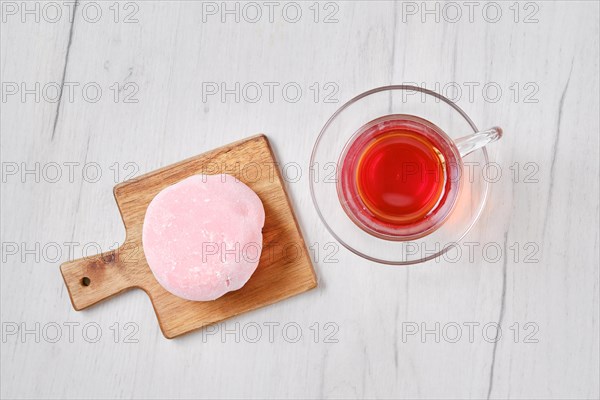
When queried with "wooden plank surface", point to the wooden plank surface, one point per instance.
{"points": [[542, 213]]}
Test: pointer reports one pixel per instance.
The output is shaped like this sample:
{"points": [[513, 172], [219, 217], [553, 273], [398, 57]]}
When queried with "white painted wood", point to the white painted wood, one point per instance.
{"points": [[168, 54]]}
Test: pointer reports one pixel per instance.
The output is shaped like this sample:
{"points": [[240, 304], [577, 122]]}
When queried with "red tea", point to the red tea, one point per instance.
{"points": [[395, 177], [401, 176]]}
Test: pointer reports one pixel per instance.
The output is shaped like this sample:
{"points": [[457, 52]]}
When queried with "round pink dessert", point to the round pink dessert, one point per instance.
{"points": [[202, 236]]}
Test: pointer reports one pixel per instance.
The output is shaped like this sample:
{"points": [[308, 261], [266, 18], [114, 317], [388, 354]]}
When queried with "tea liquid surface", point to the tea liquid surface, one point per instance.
{"points": [[401, 176]]}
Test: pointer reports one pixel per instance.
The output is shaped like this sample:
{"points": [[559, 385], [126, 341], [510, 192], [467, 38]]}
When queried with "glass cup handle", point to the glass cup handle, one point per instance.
{"points": [[468, 144]]}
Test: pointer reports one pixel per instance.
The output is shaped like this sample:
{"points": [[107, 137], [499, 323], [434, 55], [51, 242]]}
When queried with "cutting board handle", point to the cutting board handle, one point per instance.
{"points": [[92, 279]]}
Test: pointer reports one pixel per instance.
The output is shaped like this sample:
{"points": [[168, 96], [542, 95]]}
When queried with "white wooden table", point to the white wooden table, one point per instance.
{"points": [[150, 83]]}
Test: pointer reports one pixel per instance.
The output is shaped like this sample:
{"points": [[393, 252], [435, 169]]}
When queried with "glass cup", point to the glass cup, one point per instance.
{"points": [[399, 175], [345, 192]]}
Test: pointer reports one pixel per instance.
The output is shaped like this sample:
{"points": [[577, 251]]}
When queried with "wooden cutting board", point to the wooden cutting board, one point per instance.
{"points": [[284, 269]]}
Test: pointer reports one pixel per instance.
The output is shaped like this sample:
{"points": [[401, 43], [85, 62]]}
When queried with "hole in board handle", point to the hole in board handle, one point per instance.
{"points": [[85, 281]]}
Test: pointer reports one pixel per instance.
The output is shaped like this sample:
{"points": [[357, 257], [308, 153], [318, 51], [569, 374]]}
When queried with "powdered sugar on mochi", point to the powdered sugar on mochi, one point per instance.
{"points": [[202, 236]]}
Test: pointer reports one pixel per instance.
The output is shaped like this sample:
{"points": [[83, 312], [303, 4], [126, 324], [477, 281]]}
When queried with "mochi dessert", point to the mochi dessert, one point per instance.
{"points": [[202, 236]]}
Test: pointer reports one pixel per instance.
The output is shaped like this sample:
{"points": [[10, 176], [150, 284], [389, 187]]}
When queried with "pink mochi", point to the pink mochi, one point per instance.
{"points": [[202, 236]]}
